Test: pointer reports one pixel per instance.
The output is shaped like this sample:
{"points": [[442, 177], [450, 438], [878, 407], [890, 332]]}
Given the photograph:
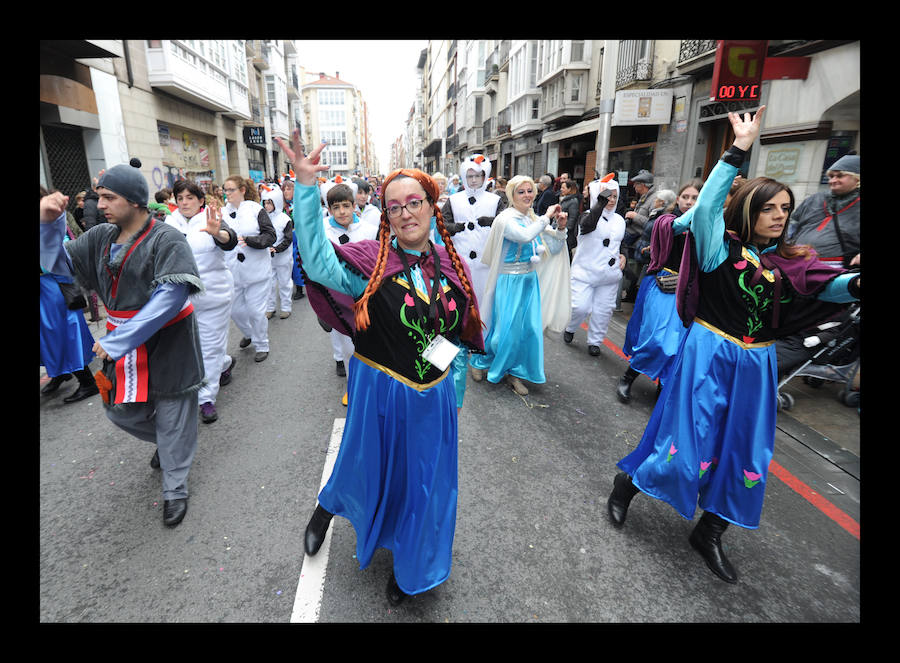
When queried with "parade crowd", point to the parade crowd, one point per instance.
{"points": [[422, 280]]}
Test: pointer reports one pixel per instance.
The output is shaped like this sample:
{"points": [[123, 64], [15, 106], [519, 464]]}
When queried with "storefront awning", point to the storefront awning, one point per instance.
{"points": [[577, 129]]}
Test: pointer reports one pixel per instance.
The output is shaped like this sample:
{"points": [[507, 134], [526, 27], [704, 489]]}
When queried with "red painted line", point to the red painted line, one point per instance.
{"points": [[792, 482], [815, 499]]}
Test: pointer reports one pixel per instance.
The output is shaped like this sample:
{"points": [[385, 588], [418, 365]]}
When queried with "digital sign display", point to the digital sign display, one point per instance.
{"points": [[738, 70]]}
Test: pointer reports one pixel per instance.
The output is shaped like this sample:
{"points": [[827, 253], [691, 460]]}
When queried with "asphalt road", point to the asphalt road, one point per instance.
{"points": [[533, 543]]}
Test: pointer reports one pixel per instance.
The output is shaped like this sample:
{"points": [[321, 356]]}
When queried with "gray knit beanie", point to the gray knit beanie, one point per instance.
{"points": [[127, 181], [848, 163]]}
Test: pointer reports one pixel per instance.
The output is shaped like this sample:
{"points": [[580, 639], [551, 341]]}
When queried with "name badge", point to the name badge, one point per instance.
{"points": [[440, 352]]}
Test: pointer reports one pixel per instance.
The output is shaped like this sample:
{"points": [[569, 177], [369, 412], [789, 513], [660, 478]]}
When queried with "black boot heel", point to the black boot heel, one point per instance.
{"points": [[315, 530], [623, 491], [706, 539]]}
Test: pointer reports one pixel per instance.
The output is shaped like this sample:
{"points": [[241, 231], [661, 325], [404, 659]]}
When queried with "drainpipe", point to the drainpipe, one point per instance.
{"points": [[607, 103], [128, 64]]}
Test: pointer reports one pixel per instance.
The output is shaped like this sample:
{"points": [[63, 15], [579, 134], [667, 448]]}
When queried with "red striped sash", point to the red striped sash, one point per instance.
{"points": [[133, 370], [828, 216]]}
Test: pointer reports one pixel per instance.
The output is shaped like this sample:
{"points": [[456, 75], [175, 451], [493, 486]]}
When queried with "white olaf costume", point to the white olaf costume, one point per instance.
{"points": [[212, 308], [342, 346], [595, 273], [462, 211], [282, 259], [253, 273]]}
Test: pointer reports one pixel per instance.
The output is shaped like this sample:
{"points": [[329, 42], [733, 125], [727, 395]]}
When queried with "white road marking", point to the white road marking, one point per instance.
{"points": [[312, 574]]}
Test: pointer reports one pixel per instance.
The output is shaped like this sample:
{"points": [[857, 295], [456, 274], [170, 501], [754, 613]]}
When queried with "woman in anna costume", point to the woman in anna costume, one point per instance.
{"points": [[407, 304], [711, 435]]}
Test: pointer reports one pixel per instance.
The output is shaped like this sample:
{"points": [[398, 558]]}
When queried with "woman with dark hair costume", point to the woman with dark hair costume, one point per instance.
{"points": [[210, 237], [711, 435], [654, 331], [407, 304]]}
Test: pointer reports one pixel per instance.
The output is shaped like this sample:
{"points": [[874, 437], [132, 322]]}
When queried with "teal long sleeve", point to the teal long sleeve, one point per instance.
{"points": [[319, 259]]}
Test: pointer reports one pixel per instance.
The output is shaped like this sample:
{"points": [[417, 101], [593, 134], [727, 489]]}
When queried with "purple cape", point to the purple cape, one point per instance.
{"points": [[336, 308], [807, 276]]}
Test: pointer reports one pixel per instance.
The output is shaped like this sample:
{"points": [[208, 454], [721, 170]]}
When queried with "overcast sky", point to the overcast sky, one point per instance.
{"points": [[385, 73]]}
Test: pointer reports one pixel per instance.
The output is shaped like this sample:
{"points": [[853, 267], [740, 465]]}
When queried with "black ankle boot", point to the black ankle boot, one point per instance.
{"points": [[315, 530], [623, 389], [706, 540], [623, 491], [395, 595], [54, 383]]}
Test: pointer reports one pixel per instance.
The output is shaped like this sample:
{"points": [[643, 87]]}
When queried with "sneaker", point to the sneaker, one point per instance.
{"points": [[298, 292], [344, 399], [260, 356], [339, 369], [284, 314], [568, 336], [244, 342], [477, 374], [269, 314], [594, 350], [208, 413], [225, 376]]}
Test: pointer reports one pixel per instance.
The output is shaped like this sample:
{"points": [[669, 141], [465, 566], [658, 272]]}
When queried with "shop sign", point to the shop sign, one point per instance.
{"points": [[738, 70], [635, 107], [255, 136]]}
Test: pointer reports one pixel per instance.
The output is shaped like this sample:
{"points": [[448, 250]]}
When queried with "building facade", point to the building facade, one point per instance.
{"points": [[201, 109], [590, 107]]}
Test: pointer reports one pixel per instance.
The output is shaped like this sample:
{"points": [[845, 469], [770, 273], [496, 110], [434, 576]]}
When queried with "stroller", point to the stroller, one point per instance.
{"points": [[833, 357]]}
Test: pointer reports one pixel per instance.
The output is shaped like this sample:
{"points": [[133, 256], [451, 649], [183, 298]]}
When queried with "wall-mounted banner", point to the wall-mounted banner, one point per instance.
{"points": [[642, 107]]}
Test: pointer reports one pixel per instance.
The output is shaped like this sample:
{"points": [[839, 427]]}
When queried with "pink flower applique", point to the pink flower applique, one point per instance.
{"points": [[408, 300], [451, 305], [672, 452], [751, 478], [741, 264]]}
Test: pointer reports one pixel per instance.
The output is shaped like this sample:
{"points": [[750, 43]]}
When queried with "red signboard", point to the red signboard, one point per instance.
{"points": [[738, 70]]}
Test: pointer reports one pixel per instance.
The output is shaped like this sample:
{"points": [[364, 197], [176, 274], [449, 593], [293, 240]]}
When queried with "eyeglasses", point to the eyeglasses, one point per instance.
{"points": [[229, 190], [412, 207]]}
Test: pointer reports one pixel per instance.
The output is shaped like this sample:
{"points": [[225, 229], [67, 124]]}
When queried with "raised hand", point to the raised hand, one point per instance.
{"points": [[213, 220], [745, 129], [52, 206], [306, 167]]}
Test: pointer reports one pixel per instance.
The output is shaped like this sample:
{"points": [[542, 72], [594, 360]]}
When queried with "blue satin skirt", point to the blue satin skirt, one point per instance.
{"points": [[296, 274], [514, 344], [711, 435], [66, 341], [395, 476], [654, 331]]}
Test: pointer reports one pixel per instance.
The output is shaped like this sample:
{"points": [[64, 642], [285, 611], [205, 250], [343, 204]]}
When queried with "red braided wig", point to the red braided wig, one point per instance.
{"points": [[432, 191]]}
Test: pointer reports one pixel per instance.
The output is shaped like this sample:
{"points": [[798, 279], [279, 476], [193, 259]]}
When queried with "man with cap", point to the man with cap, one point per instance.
{"points": [[828, 221], [144, 272], [636, 218]]}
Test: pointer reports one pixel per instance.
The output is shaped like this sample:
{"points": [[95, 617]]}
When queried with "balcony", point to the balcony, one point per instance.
{"points": [[258, 53], [635, 62], [293, 87], [184, 74], [240, 101], [487, 130], [696, 55]]}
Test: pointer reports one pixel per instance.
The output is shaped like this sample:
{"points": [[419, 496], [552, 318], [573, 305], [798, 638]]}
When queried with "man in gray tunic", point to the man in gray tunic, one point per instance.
{"points": [[144, 271], [828, 221]]}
